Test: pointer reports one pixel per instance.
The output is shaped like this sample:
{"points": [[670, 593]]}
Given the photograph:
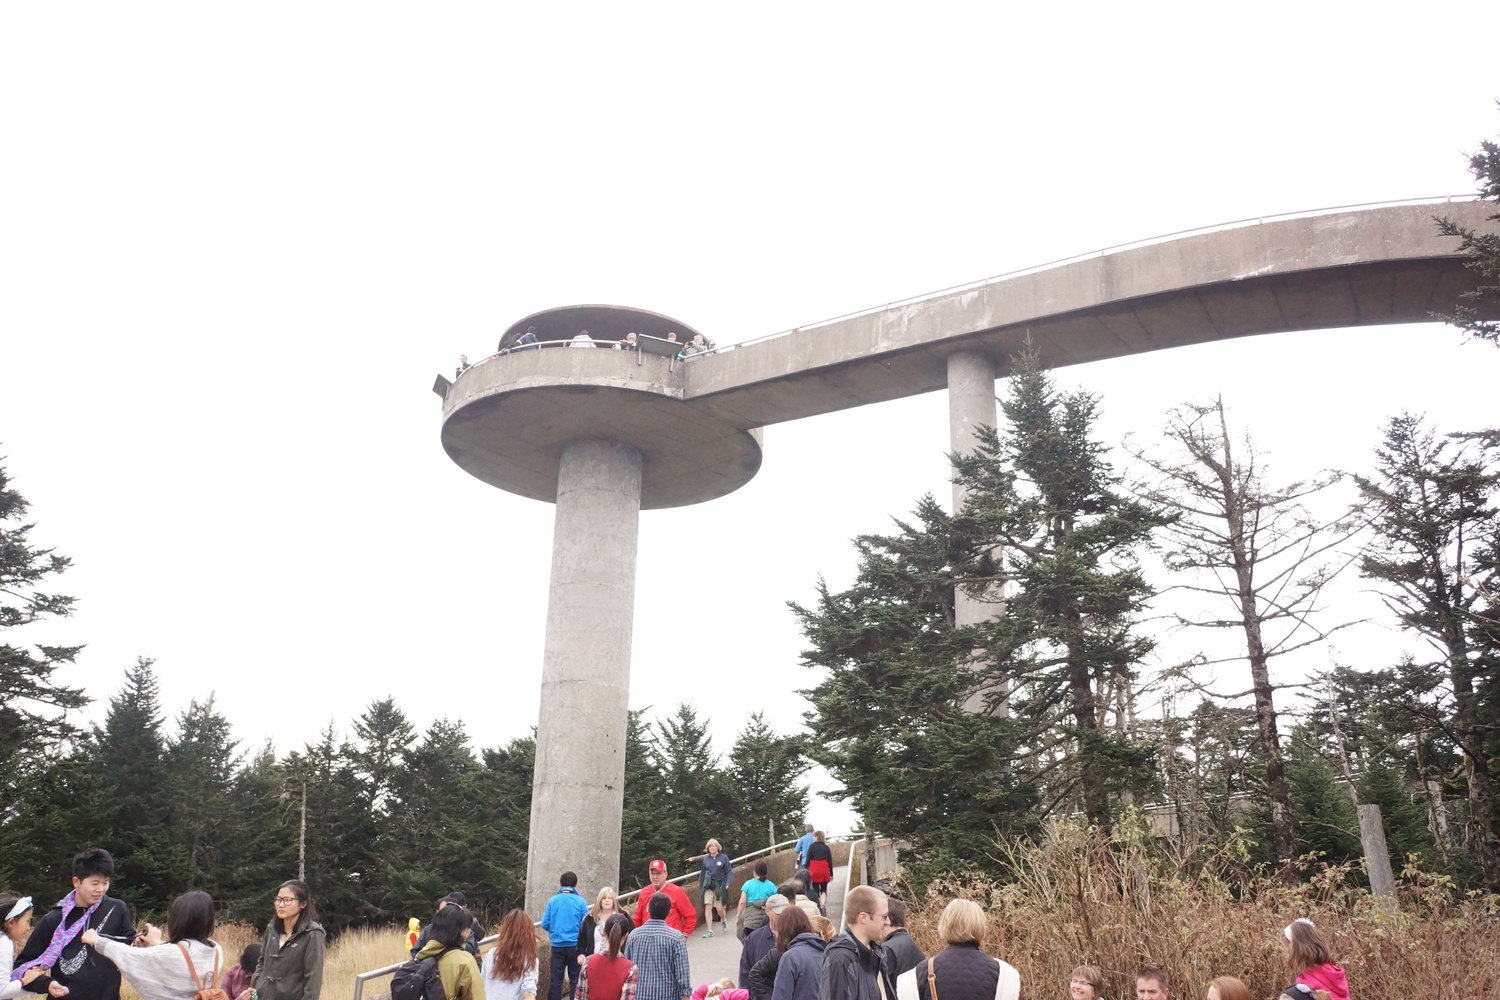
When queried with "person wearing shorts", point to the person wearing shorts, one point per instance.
{"points": [[714, 881]]}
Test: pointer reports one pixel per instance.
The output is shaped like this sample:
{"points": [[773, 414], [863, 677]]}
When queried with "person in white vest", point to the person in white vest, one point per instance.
{"points": [[961, 971]]}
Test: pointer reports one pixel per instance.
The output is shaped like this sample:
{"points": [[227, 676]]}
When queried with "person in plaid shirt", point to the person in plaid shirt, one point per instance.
{"points": [[660, 955]]}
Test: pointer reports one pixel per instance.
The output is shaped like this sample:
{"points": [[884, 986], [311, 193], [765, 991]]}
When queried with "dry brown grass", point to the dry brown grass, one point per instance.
{"points": [[1117, 906]]}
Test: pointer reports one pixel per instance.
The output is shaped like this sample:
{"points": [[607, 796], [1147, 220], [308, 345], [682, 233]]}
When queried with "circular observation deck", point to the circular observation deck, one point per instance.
{"points": [[507, 419]]}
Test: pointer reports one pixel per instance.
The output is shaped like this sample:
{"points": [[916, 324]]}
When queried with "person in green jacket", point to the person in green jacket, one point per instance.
{"points": [[291, 958], [451, 926]]}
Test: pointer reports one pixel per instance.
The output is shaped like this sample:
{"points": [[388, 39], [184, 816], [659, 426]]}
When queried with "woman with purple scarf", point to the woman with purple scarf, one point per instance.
{"points": [[55, 947]]}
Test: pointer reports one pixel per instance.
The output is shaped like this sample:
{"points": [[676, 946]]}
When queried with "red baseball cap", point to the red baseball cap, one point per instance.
{"points": [[658, 865]]}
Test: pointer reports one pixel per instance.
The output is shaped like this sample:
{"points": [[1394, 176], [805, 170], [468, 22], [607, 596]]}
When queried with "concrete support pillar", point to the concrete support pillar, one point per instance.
{"points": [[971, 405], [579, 785]]}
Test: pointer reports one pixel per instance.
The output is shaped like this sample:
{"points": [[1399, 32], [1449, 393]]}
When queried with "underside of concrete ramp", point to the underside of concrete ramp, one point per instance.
{"points": [[1359, 268]]}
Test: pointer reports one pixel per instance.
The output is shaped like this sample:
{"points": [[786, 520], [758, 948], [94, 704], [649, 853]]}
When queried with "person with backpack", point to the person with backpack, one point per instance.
{"points": [[510, 968], [291, 957], [184, 966], [443, 964]]}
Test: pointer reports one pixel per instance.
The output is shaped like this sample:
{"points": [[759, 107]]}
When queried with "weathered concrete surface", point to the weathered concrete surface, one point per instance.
{"points": [[971, 405], [507, 420], [1358, 268], [579, 784]]}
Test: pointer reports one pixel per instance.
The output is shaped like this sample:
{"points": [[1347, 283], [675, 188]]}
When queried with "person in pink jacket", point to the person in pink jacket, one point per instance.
{"points": [[1311, 961], [723, 990]]}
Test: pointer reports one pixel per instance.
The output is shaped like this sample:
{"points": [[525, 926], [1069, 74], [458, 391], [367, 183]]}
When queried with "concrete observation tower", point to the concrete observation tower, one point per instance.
{"points": [[603, 434]]}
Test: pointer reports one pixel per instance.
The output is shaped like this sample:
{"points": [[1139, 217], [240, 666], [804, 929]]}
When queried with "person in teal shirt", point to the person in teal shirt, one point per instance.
{"points": [[753, 895]]}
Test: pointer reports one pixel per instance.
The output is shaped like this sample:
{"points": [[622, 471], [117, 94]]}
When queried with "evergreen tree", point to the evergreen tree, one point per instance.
{"points": [[889, 719], [200, 765], [502, 793], [1046, 521], [764, 776], [385, 737], [125, 803], [340, 845], [1432, 506], [32, 703], [641, 836], [695, 796], [1477, 308], [260, 851]]}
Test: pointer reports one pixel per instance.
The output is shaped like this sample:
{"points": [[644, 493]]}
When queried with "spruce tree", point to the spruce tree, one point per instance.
{"points": [[641, 836], [1431, 504], [889, 718], [385, 736], [200, 765], [1477, 309], [32, 702], [695, 797], [765, 772], [1047, 523], [126, 801]]}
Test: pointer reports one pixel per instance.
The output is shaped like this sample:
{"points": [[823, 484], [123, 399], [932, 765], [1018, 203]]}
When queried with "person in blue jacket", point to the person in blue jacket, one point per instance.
{"points": [[561, 920]]}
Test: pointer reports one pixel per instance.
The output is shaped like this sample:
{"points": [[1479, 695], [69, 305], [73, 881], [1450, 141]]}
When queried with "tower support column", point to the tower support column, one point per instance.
{"points": [[578, 789], [971, 405]]}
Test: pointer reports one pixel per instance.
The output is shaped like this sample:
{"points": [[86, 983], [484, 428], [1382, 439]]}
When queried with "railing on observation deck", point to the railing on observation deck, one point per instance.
{"points": [[1034, 269], [363, 977]]}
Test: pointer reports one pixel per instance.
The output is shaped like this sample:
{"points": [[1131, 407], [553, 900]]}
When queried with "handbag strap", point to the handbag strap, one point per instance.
{"points": [[198, 983], [932, 993]]}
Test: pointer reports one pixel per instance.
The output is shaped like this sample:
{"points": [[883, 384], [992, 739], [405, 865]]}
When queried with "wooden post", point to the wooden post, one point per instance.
{"points": [[1377, 856]]}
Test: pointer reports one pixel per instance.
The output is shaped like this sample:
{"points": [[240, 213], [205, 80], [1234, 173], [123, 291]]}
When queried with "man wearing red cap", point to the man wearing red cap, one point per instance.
{"points": [[683, 917]]}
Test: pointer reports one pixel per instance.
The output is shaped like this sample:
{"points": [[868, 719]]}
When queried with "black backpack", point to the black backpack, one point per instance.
{"points": [[418, 979]]}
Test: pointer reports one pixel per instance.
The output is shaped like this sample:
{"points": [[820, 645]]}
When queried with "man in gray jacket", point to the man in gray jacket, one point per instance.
{"points": [[901, 952]]}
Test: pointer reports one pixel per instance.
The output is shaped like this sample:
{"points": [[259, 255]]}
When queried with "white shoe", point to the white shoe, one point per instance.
{"points": [[708, 934]]}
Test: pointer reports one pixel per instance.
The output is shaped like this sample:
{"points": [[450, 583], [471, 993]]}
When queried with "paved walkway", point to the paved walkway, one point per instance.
{"points": [[718, 957]]}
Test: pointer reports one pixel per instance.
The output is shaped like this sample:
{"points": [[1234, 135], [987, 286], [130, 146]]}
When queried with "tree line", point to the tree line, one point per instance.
{"points": [[381, 822]]}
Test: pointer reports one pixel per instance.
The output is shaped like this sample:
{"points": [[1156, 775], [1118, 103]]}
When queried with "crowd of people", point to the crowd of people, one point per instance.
{"points": [[697, 346], [80, 947], [790, 950]]}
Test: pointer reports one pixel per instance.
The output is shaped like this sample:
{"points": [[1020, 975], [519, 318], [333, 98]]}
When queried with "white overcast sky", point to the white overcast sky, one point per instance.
{"points": [[238, 241]]}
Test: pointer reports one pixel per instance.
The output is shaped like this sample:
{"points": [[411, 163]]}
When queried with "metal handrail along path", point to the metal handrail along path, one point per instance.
{"points": [[363, 977]]}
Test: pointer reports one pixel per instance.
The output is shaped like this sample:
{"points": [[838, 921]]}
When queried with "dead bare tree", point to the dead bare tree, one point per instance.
{"points": [[1255, 546]]}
